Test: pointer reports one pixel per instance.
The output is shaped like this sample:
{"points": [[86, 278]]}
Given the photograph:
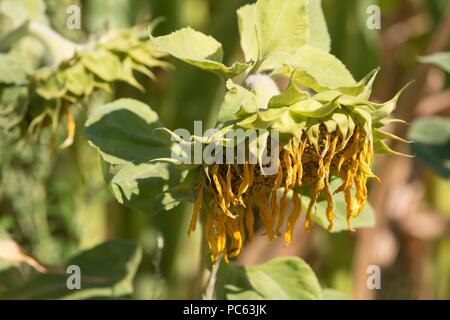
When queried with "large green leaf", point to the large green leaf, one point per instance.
{"points": [[282, 25], [146, 187], [107, 270], [198, 49], [123, 132], [319, 70], [431, 143], [441, 59], [285, 278], [279, 279], [318, 30]]}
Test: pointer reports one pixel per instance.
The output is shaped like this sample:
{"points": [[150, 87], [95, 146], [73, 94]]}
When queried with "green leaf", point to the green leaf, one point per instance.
{"points": [[318, 30], [247, 29], [146, 55], [237, 99], [284, 278], [272, 114], [382, 135], [199, 50], [123, 132], [331, 294], [10, 277], [287, 278], [282, 25], [78, 79], [145, 187], [103, 63], [380, 147], [383, 110], [13, 69], [50, 84], [365, 220], [244, 295], [14, 103], [127, 74], [107, 270], [319, 70], [12, 37], [363, 89], [273, 62], [431, 137], [356, 94], [312, 108], [441, 59], [21, 10], [290, 96]]}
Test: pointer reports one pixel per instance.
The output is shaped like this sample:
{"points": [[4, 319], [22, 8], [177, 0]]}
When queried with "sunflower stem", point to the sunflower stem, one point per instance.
{"points": [[210, 288], [59, 48]]}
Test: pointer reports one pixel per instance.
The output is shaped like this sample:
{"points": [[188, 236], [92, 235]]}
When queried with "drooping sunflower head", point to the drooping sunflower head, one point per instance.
{"points": [[323, 137], [84, 69], [326, 128]]}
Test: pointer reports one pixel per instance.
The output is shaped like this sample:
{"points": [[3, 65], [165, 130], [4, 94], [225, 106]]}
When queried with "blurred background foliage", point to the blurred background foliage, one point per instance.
{"points": [[55, 203]]}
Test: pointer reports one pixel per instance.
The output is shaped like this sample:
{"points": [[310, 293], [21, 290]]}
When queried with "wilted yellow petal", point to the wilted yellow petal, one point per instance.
{"points": [[295, 214], [197, 208]]}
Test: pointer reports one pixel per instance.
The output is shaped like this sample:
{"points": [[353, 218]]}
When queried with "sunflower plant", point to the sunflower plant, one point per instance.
{"points": [[42, 91], [289, 86]]}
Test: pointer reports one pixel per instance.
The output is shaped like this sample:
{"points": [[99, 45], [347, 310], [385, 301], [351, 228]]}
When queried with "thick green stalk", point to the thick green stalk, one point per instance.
{"points": [[59, 48]]}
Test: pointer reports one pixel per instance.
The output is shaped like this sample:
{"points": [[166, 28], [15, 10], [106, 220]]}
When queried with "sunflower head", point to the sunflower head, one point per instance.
{"points": [[117, 55], [312, 138]]}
